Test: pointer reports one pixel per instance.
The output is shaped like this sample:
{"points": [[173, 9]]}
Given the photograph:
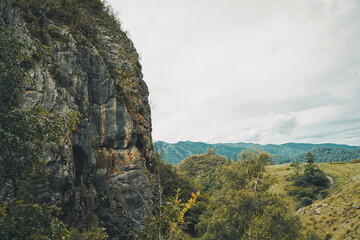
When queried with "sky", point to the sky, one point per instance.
{"points": [[249, 71]]}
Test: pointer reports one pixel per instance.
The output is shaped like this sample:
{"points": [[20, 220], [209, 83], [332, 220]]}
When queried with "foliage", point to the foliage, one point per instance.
{"points": [[243, 208], [328, 154], [30, 221], [258, 229], [171, 180], [202, 168], [334, 216], [306, 187], [95, 232], [170, 222], [248, 173], [15, 59], [23, 134], [20, 221], [70, 13], [309, 157], [284, 153]]}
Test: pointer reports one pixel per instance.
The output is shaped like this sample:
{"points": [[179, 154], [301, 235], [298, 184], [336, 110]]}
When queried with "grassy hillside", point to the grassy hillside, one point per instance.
{"points": [[247, 199], [337, 215]]}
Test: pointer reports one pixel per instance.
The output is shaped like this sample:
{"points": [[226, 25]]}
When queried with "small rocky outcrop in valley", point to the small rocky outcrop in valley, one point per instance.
{"points": [[106, 167]]}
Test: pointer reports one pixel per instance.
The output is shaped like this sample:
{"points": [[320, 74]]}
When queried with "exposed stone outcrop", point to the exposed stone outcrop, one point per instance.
{"points": [[106, 167]]}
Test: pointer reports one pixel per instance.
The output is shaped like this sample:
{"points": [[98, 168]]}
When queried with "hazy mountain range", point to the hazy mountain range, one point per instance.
{"points": [[283, 153]]}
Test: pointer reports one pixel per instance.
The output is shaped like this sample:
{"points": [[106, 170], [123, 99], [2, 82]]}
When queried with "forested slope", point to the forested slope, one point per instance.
{"points": [[284, 153]]}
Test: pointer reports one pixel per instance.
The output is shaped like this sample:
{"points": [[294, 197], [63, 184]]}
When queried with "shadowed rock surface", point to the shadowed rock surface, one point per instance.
{"points": [[106, 167]]}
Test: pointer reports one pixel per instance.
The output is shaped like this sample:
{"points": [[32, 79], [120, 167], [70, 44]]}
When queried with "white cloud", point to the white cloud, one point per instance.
{"points": [[285, 123], [261, 71]]}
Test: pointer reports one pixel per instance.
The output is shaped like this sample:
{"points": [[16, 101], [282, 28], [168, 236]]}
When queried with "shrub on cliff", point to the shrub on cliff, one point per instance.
{"points": [[20, 221], [24, 213]]}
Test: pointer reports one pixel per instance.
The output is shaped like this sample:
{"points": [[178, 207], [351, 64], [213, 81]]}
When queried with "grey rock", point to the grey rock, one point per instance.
{"points": [[106, 167]]}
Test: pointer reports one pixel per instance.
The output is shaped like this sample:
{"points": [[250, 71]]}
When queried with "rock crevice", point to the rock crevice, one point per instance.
{"points": [[106, 167]]}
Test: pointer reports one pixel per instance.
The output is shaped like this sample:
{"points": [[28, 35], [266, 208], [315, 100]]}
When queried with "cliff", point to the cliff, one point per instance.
{"points": [[106, 167]]}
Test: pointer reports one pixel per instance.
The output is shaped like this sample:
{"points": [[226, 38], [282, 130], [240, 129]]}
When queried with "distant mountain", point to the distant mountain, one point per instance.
{"points": [[327, 154], [283, 153]]}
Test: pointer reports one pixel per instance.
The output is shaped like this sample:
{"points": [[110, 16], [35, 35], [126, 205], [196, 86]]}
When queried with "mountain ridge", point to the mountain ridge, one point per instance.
{"points": [[283, 153]]}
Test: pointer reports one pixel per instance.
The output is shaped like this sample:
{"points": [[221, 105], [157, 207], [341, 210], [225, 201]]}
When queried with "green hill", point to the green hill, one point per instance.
{"points": [[335, 216], [175, 152]]}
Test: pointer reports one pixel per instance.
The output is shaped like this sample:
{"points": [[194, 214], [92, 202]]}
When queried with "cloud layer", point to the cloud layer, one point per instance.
{"points": [[257, 71]]}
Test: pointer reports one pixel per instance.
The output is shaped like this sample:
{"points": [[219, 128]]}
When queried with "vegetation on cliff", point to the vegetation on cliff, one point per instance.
{"points": [[23, 134], [26, 211]]}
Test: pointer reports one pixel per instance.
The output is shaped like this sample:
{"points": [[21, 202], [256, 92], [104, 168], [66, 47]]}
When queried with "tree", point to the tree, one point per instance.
{"points": [[210, 151], [244, 208], [307, 186], [309, 157], [202, 168], [30, 221], [169, 224], [171, 180]]}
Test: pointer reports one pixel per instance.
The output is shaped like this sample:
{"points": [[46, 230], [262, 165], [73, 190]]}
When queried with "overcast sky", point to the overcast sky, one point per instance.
{"points": [[254, 71]]}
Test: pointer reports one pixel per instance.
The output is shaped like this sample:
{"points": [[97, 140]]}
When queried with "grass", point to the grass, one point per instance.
{"points": [[281, 173], [340, 171], [336, 216]]}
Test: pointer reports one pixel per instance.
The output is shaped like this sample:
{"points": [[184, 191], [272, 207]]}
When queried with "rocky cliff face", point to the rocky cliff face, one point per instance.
{"points": [[106, 167]]}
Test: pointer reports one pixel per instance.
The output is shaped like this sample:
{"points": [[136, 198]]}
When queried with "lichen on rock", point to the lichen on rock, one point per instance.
{"points": [[106, 167]]}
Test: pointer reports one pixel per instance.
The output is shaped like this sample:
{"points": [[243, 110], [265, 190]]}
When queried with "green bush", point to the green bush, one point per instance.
{"points": [[170, 222], [305, 201], [244, 208], [94, 233], [309, 185], [311, 235], [31, 221]]}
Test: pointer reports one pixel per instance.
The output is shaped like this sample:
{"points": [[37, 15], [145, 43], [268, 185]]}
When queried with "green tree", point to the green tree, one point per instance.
{"points": [[210, 151], [20, 221], [170, 222], [244, 208], [171, 180], [307, 186], [309, 157], [202, 169]]}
